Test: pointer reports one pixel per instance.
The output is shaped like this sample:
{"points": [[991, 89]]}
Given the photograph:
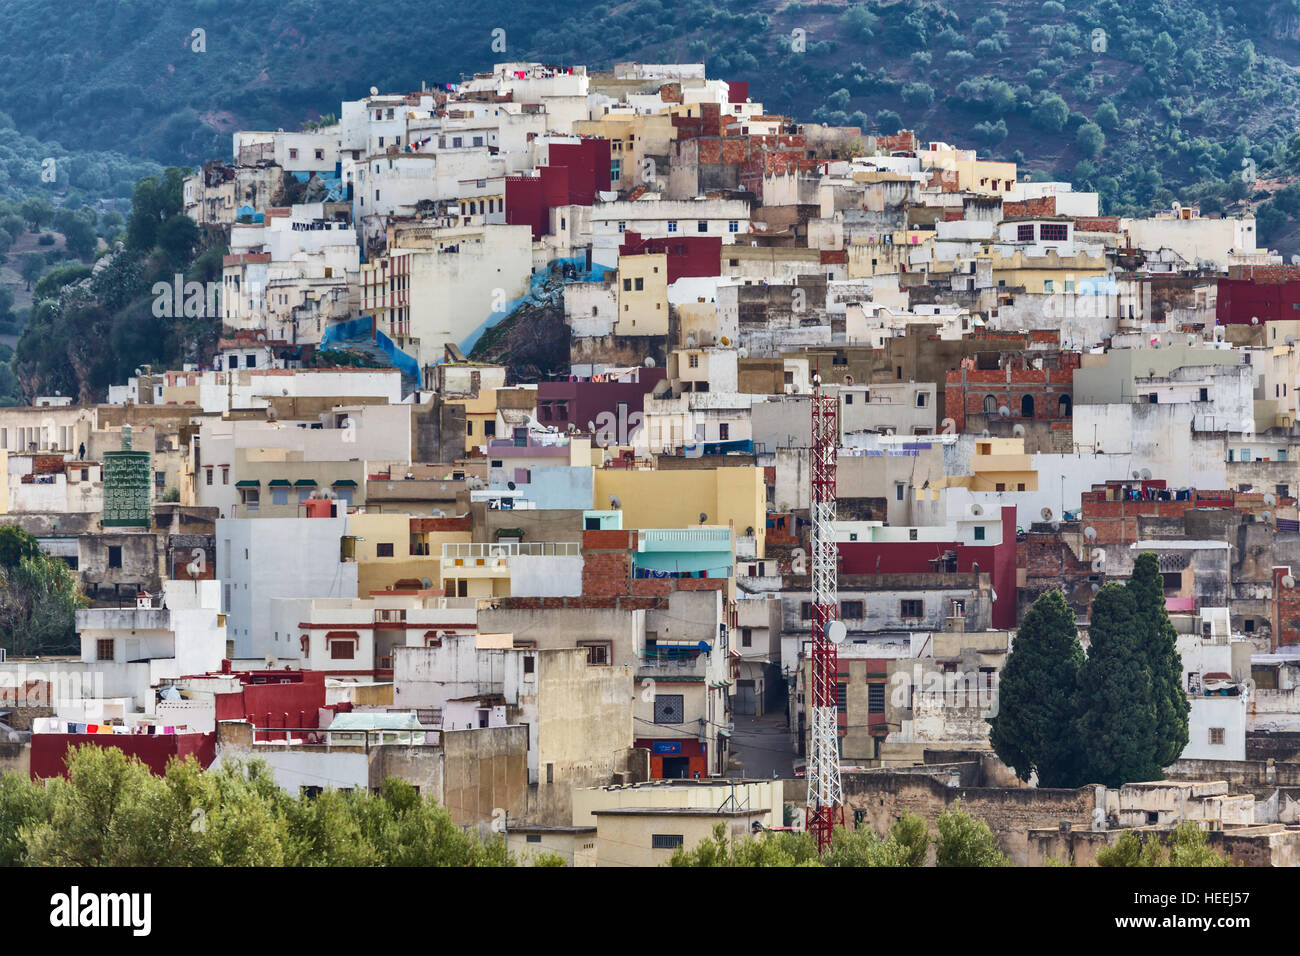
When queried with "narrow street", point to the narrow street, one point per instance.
{"points": [[762, 746]]}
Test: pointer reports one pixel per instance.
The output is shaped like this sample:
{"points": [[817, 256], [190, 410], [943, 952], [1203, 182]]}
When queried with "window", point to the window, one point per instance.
{"points": [[842, 698], [1049, 285], [114, 556], [627, 285], [320, 154], [1216, 736], [384, 549], [104, 649], [665, 841], [209, 475], [990, 405], [848, 399], [898, 491], [669, 708], [639, 284], [851, 610], [225, 474], [597, 654], [1282, 491], [672, 225], [469, 428], [534, 838], [293, 154], [724, 431], [701, 226], [622, 226], [979, 534], [805, 611], [1069, 285], [733, 226], [279, 496], [1025, 233], [694, 361], [911, 608], [876, 698], [911, 534], [746, 637], [1053, 232], [920, 399], [342, 650]]}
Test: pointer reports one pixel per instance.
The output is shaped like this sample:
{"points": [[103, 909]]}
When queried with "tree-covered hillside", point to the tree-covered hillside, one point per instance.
{"points": [[1145, 101]]}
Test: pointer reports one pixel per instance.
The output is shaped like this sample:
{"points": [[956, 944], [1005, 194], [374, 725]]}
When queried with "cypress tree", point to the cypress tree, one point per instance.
{"points": [[1158, 642], [1033, 728], [1116, 723]]}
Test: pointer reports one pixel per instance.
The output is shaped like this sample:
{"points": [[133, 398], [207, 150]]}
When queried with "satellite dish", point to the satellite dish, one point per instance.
{"points": [[848, 379], [510, 485], [976, 510], [649, 361], [1018, 431], [1264, 515], [1090, 533], [1095, 587], [1269, 499], [985, 433], [703, 517], [614, 503], [1046, 513], [724, 340], [1004, 412], [1146, 474], [426, 583], [1254, 320], [836, 631], [1137, 475], [374, 91], [1288, 581]]}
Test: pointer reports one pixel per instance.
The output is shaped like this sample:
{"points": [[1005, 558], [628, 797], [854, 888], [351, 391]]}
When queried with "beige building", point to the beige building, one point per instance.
{"points": [[642, 295]]}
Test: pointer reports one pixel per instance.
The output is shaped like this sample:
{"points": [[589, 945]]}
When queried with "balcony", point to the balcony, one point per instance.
{"points": [[684, 539], [482, 553]]}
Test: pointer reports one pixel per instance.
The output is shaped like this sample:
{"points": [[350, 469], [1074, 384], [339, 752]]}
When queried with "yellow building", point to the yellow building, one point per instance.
{"points": [[633, 138], [387, 551], [1050, 273], [474, 386], [982, 176], [642, 295], [998, 464], [676, 499]]}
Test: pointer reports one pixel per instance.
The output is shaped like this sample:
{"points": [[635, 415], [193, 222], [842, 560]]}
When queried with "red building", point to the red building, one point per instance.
{"points": [[49, 751], [688, 256], [1038, 394], [574, 173], [917, 557]]}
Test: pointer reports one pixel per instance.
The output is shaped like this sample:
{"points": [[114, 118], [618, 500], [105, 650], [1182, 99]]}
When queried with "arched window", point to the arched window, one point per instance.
{"points": [[990, 405], [1063, 406], [1027, 407]]}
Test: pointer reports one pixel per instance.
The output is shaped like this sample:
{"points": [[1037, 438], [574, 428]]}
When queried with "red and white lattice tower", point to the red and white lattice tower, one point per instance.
{"points": [[825, 796]]}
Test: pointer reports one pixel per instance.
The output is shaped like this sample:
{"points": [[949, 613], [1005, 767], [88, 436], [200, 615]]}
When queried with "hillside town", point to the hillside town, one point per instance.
{"points": [[559, 417]]}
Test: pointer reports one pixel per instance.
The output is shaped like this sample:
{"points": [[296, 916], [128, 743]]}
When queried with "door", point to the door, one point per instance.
{"points": [[746, 701], [676, 768]]}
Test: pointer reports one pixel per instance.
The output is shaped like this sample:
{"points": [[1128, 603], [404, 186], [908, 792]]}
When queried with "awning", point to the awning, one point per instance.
{"points": [[305, 482], [248, 483], [280, 483], [345, 483]]}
